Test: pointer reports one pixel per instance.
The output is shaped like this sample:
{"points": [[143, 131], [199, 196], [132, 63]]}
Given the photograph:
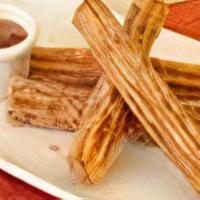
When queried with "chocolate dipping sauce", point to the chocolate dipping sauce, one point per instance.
{"points": [[11, 33]]}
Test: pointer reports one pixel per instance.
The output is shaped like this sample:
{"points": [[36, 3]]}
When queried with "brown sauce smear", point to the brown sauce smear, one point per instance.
{"points": [[11, 33]]}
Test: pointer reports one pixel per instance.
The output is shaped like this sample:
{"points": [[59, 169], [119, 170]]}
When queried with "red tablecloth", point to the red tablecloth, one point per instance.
{"points": [[183, 18], [14, 189]]}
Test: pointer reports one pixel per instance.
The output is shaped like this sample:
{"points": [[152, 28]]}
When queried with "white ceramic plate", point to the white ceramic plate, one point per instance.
{"points": [[141, 173]]}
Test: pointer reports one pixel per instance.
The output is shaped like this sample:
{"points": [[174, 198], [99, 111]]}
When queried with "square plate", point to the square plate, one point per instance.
{"points": [[38, 156]]}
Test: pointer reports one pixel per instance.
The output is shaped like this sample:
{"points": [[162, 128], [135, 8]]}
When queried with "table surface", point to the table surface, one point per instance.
{"points": [[183, 18]]}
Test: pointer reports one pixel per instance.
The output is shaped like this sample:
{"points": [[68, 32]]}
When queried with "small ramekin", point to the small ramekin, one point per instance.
{"points": [[15, 60]]}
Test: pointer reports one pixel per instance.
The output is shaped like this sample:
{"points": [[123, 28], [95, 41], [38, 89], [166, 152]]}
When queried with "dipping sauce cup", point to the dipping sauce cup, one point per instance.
{"points": [[15, 60]]}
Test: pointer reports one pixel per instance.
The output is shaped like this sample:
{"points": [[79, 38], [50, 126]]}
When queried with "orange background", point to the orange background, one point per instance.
{"points": [[184, 18]]}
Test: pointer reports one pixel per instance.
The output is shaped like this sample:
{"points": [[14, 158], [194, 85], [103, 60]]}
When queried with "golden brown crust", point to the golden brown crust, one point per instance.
{"points": [[103, 114], [43, 104], [55, 93], [84, 80], [147, 95], [83, 55]]}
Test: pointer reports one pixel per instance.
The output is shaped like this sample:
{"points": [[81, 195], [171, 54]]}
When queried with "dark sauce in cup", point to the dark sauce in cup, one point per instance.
{"points": [[11, 33]]}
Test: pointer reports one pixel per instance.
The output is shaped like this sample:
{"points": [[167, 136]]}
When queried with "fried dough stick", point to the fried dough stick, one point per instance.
{"points": [[147, 95], [107, 118]]}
